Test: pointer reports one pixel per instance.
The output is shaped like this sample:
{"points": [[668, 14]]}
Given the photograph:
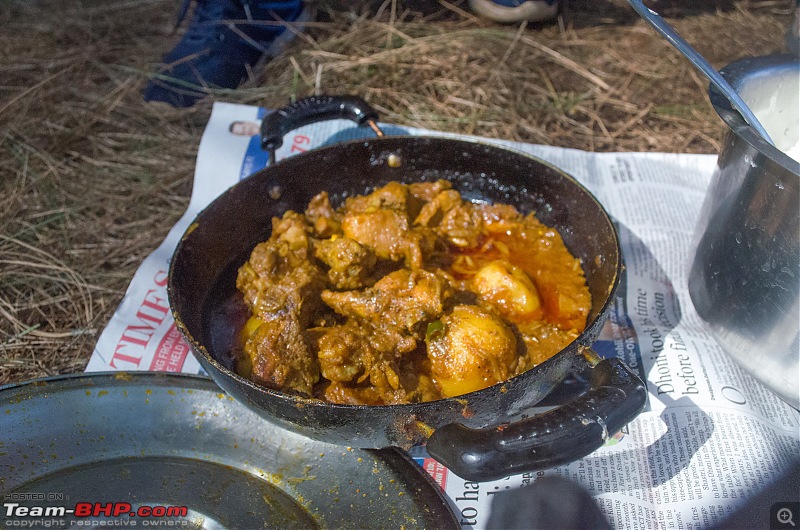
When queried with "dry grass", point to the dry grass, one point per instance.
{"points": [[91, 178]]}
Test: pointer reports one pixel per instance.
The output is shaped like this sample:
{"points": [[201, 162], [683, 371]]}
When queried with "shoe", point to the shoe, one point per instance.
{"points": [[508, 11], [224, 39]]}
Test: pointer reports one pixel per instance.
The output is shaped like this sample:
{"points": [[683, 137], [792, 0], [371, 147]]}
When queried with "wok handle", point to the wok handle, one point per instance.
{"points": [[310, 110], [559, 436]]}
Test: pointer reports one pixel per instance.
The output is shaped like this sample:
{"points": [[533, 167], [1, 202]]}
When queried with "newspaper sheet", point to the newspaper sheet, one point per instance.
{"points": [[710, 437]]}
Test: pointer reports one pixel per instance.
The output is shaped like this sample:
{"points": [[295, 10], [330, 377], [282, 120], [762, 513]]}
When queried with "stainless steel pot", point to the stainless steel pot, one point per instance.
{"points": [[744, 276]]}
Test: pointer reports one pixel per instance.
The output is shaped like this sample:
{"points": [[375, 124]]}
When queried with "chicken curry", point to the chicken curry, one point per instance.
{"points": [[409, 293]]}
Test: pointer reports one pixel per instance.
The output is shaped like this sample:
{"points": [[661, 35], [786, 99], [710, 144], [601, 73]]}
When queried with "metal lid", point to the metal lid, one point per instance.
{"points": [[152, 439]]}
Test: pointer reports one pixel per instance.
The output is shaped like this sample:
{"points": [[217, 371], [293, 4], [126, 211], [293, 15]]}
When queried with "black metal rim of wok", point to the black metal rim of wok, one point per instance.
{"points": [[225, 232]]}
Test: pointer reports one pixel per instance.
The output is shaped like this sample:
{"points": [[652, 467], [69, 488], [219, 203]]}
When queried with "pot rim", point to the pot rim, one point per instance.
{"points": [[738, 73]]}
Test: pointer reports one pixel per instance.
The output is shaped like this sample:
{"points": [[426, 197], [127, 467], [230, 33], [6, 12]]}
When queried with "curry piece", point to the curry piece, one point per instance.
{"points": [[474, 349], [406, 294]]}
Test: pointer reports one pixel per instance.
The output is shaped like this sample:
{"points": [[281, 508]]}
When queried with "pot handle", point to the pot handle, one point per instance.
{"points": [[559, 436], [310, 110]]}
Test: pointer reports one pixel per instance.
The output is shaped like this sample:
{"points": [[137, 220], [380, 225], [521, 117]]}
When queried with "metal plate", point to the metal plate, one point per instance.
{"points": [[153, 439]]}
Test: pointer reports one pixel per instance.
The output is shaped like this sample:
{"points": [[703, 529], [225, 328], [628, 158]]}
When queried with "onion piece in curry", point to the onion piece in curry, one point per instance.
{"points": [[407, 294]]}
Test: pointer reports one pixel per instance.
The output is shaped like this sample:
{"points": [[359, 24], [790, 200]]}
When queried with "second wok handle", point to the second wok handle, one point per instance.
{"points": [[311, 110], [557, 437]]}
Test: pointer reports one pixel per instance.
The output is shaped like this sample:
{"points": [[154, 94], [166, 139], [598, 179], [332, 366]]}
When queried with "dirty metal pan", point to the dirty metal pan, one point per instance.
{"points": [[156, 440]]}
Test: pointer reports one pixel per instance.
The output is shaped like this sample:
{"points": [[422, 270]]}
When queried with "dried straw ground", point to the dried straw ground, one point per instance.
{"points": [[91, 178]]}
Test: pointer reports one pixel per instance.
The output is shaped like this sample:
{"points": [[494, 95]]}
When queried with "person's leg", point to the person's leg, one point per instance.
{"points": [[508, 11], [223, 40]]}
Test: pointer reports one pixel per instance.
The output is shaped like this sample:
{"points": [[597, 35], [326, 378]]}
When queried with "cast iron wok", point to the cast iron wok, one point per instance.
{"points": [[473, 434]]}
